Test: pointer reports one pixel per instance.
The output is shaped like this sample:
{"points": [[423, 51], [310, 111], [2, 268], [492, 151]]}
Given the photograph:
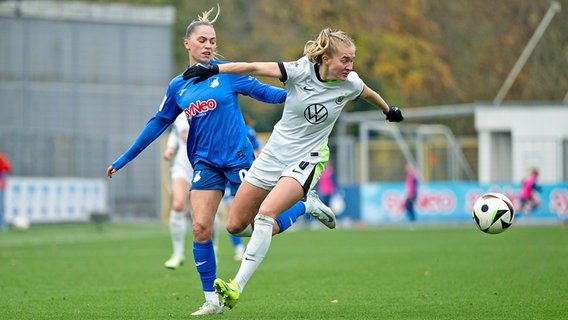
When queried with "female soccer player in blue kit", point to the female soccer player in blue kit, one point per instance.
{"points": [[217, 147], [319, 85]]}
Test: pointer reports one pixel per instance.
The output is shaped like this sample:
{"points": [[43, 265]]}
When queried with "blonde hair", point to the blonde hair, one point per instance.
{"points": [[327, 42], [203, 20]]}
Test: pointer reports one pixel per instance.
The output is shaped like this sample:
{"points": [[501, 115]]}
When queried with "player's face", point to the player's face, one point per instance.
{"points": [[340, 64], [201, 44]]}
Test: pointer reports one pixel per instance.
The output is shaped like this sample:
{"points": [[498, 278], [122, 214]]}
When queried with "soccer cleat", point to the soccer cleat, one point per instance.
{"points": [[228, 291], [174, 262], [318, 210], [208, 308]]}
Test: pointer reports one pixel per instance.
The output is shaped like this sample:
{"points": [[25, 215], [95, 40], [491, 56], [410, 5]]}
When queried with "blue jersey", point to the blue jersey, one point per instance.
{"points": [[217, 132]]}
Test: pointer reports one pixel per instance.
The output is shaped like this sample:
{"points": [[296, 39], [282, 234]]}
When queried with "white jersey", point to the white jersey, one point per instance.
{"points": [[180, 168], [311, 109]]}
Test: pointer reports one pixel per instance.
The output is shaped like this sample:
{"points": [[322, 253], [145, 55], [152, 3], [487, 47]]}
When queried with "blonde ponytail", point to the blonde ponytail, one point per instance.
{"points": [[327, 42]]}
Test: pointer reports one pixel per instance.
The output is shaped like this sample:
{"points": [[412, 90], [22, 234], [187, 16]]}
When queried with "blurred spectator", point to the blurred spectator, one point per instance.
{"points": [[529, 196], [5, 170], [327, 185], [411, 190]]}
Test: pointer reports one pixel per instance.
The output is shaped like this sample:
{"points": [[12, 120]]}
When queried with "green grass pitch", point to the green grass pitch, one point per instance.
{"points": [[433, 272]]}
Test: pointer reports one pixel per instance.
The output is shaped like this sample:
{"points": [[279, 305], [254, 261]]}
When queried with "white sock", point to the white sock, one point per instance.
{"points": [[212, 297], [256, 249], [245, 233], [240, 249], [178, 229]]}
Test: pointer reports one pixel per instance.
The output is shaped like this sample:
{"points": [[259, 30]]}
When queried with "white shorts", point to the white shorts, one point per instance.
{"points": [[182, 170], [266, 170]]}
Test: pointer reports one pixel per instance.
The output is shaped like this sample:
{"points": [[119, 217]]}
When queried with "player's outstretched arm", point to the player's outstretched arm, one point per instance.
{"points": [[204, 71], [265, 69], [153, 129], [393, 113]]}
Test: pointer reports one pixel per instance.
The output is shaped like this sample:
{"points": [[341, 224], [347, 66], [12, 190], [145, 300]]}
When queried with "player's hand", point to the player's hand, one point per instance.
{"points": [[169, 153], [110, 171], [202, 71], [394, 114]]}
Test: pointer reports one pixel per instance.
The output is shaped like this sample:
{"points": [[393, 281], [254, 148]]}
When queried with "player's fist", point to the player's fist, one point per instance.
{"points": [[394, 114], [110, 171], [201, 71]]}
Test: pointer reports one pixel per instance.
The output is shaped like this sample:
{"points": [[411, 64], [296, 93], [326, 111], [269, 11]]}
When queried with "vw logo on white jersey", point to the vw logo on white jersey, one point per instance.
{"points": [[316, 113]]}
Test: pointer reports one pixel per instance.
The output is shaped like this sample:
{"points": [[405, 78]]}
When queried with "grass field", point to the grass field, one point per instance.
{"points": [[443, 272]]}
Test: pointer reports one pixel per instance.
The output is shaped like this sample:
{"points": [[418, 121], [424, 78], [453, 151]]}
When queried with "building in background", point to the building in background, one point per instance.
{"points": [[78, 82], [514, 138]]}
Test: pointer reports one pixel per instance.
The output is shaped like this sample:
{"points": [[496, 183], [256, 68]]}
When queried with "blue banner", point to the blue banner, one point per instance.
{"points": [[380, 203]]}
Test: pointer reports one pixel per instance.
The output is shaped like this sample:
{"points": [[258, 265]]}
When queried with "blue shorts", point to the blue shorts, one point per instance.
{"points": [[207, 177]]}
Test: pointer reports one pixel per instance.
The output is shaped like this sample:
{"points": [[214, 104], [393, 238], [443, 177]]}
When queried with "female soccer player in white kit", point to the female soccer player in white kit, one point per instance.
{"points": [[181, 174], [319, 85]]}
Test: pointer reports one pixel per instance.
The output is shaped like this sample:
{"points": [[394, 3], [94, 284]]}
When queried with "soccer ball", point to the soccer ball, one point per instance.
{"points": [[493, 213], [21, 223]]}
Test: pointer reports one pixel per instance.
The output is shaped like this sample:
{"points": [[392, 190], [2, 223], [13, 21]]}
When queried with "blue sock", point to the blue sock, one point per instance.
{"points": [[204, 256], [236, 240], [288, 217]]}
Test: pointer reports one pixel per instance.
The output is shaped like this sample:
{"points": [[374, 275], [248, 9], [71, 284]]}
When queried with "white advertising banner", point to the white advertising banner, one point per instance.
{"points": [[46, 200]]}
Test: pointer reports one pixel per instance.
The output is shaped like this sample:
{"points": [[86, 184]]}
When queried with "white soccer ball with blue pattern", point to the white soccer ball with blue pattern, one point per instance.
{"points": [[493, 213]]}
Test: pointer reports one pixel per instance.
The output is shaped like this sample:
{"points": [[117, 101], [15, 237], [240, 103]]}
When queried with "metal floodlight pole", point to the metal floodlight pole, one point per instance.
{"points": [[554, 8]]}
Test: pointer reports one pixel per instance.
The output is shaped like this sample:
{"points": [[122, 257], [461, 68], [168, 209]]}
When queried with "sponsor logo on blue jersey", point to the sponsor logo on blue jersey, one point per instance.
{"points": [[199, 107]]}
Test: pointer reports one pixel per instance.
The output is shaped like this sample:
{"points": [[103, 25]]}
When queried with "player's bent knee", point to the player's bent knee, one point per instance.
{"points": [[201, 233], [178, 206], [235, 229]]}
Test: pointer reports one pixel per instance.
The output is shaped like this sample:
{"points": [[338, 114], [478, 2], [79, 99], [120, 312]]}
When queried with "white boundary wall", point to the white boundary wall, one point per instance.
{"points": [[513, 139]]}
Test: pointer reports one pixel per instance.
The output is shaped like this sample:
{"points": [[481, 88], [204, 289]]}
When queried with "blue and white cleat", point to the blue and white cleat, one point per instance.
{"points": [[318, 210]]}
